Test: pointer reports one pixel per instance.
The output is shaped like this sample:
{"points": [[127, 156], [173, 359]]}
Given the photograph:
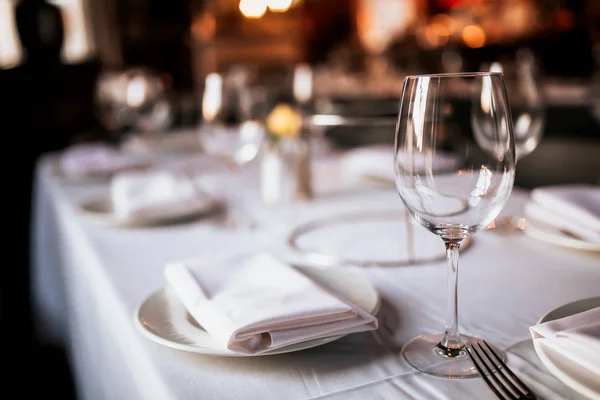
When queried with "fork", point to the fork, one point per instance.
{"points": [[509, 386]]}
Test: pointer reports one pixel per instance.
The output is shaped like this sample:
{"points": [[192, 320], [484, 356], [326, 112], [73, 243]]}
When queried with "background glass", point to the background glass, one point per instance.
{"points": [[452, 203], [232, 130]]}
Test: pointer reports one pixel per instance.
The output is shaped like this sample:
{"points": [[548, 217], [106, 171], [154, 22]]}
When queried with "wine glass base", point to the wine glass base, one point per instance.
{"points": [[423, 354]]}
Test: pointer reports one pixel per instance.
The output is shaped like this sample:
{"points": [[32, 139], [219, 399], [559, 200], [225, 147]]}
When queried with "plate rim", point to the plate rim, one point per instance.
{"points": [[227, 353], [546, 360], [322, 259]]}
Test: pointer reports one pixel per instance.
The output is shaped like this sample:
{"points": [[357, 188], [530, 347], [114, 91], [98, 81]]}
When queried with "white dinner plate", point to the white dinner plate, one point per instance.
{"points": [[100, 209], [569, 372], [163, 318], [550, 234]]}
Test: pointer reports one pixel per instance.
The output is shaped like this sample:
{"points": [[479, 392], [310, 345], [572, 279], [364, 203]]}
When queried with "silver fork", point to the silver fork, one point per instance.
{"points": [[508, 386]]}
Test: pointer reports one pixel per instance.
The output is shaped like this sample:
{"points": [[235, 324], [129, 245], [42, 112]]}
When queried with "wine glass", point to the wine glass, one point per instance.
{"points": [[526, 101], [234, 141], [529, 116], [456, 202]]}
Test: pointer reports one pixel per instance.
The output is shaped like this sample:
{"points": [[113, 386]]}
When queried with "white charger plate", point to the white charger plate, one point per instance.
{"points": [[349, 239], [552, 235], [162, 317], [100, 209], [569, 372]]}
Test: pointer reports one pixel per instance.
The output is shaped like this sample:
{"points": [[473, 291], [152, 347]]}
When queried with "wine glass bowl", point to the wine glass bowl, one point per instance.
{"points": [[234, 144], [528, 106], [460, 199]]}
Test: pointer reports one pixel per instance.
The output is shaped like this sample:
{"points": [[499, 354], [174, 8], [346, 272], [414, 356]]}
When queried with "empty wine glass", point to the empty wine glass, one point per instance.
{"points": [[456, 202], [235, 144], [526, 101], [529, 115]]}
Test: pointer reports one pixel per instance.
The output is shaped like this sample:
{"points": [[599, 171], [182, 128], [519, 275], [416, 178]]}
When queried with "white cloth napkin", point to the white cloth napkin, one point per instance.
{"points": [[576, 337], [256, 304], [377, 162], [154, 195], [571, 208], [92, 159]]}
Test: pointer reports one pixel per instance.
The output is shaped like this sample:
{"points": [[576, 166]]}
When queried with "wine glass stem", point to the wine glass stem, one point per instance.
{"points": [[451, 343]]}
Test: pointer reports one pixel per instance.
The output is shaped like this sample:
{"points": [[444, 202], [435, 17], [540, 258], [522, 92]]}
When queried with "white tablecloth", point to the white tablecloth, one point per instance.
{"points": [[88, 280]]}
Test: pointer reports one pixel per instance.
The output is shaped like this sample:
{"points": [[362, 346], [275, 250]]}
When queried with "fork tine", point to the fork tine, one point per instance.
{"points": [[470, 351], [528, 393], [499, 368]]}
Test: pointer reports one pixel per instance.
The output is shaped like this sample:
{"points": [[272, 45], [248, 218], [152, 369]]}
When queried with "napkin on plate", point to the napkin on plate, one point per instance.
{"points": [[257, 304], [154, 195], [93, 159], [377, 162], [576, 337], [571, 208]]}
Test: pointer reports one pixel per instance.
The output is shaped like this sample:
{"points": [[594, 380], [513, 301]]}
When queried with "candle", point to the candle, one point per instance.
{"points": [[303, 78], [212, 98]]}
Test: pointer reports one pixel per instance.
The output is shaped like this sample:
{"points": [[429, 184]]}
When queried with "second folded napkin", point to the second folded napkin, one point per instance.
{"points": [[155, 195], [571, 208], [258, 304], [576, 337]]}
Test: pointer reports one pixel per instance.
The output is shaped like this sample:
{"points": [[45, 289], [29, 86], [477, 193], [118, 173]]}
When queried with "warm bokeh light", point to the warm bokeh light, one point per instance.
{"points": [[10, 45], [212, 99], [253, 8], [78, 44], [380, 22], [279, 5], [303, 83], [445, 21], [204, 26], [284, 120], [473, 36], [137, 90]]}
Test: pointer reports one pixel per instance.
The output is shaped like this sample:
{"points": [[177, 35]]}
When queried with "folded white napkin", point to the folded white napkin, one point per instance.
{"points": [[256, 304], [154, 195], [576, 337], [377, 162], [93, 159], [571, 208]]}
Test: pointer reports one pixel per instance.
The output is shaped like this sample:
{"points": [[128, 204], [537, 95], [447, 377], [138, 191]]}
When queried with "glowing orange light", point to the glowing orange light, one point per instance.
{"points": [[253, 8], [473, 36], [279, 5]]}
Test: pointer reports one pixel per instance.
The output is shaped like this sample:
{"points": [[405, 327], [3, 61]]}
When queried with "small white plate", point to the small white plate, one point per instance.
{"points": [[569, 372], [550, 234], [100, 209], [162, 317]]}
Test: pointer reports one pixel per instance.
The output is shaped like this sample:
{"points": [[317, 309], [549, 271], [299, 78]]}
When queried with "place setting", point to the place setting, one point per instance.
{"points": [[263, 304], [308, 199], [151, 198]]}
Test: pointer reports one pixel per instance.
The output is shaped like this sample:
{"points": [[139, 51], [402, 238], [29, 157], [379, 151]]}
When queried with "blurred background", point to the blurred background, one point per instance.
{"points": [[77, 70]]}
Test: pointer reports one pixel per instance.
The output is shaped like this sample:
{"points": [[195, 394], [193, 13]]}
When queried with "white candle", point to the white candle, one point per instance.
{"points": [[212, 98], [303, 81]]}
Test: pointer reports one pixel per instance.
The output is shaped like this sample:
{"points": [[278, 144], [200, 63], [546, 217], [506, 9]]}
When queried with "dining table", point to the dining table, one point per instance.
{"points": [[90, 277]]}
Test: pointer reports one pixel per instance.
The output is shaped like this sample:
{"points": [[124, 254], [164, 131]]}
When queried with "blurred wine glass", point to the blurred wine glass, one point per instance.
{"points": [[134, 98], [526, 101], [235, 142], [528, 111]]}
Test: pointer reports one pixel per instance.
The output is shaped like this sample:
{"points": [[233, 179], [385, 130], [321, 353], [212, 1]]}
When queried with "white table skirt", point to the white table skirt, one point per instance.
{"points": [[88, 280]]}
